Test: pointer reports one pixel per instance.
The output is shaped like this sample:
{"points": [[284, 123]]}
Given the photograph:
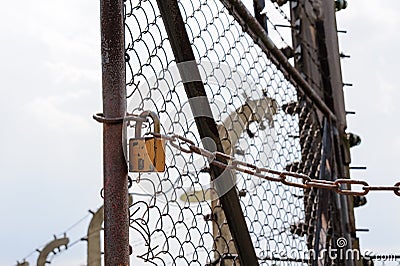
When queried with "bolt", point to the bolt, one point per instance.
{"points": [[242, 193]]}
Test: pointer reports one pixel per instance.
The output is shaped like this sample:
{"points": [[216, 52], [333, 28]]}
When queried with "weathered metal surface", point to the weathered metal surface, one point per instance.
{"points": [[93, 237], [330, 61], [116, 222], [147, 154]]}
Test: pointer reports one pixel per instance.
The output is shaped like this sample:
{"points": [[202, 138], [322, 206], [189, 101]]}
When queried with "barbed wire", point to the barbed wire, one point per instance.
{"points": [[62, 234], [214, 158], [310, 13], [54, 255], [306, 45]]}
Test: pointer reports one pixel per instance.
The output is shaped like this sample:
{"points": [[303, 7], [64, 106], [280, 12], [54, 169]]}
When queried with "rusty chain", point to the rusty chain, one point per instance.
{"points": [[214, 158]]}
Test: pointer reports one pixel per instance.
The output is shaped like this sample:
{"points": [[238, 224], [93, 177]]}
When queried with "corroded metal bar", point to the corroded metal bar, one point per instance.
{"points": [[116, 218]]}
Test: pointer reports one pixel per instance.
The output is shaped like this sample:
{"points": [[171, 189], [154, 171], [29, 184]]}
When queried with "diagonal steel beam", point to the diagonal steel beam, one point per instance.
{"points": [[207, 128]]}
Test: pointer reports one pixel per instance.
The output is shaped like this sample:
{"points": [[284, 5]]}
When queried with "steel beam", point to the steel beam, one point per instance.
{"points": [[207, 128]]}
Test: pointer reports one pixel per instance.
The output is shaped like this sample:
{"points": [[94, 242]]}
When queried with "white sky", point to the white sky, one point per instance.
{"points": [[50, 155], [372, 41]]}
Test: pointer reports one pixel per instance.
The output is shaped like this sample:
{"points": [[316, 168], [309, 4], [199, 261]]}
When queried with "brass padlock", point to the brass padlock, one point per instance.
{"points": [[147, 154]]}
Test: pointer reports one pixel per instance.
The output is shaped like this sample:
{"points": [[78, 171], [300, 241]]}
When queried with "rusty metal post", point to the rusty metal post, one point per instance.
{"points": [[116, 217]]}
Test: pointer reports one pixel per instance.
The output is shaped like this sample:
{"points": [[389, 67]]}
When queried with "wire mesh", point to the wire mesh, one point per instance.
{"points": [[263, 118]]}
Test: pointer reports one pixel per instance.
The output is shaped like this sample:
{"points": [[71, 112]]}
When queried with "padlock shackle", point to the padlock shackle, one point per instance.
{"points": [[154, 117]]}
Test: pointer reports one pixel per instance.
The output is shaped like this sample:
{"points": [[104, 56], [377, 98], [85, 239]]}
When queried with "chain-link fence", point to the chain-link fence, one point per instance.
{"points": [[255, 164], [263, 117]]}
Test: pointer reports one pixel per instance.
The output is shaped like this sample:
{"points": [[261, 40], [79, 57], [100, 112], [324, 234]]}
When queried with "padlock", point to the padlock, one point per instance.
{"points": [[147, 154]]}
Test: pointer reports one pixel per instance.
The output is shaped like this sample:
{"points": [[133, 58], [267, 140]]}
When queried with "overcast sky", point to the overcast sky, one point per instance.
{"points": [[372, 41], [50, 155]]}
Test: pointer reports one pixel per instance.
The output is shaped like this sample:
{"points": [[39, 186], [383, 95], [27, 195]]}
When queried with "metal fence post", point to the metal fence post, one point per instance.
{"points": [[116, 217]]}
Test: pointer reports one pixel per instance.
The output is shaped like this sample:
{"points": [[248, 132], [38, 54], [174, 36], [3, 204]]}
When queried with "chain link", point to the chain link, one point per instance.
{"points": [[224, 161]]}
